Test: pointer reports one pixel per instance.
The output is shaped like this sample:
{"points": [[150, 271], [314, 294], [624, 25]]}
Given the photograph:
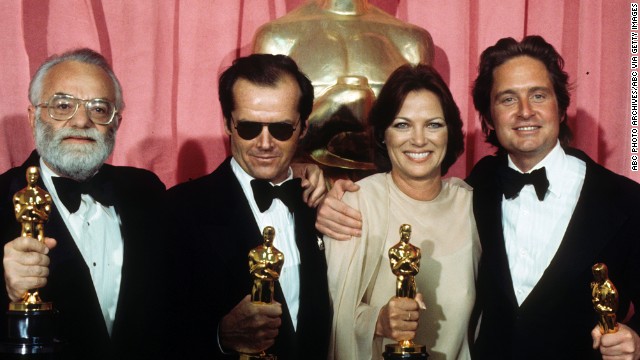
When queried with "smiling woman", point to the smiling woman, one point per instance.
{"points": [[417, 143], [418, 135]]}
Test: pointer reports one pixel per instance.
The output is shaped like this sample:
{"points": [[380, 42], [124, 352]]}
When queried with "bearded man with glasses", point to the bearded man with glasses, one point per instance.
{"points": [[98, 263], [219, 218]]}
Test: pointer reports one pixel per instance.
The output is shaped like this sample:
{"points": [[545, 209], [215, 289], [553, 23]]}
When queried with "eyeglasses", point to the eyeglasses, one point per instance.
{"points": [[251, 129], [63, 107]]}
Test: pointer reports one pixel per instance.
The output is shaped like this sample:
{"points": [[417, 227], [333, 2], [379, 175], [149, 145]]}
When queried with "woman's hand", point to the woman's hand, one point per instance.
{"points": [[398, 319]]}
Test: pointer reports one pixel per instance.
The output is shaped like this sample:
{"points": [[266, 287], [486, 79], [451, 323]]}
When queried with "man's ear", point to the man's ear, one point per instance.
{"points": [[32, 116], [118, 120], [227, 125], [303, 133], [563, 117]]}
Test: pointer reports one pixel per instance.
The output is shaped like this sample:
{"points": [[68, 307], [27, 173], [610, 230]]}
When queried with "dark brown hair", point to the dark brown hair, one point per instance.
{"points": [[402, 81], [506, 49], [264, 69]]}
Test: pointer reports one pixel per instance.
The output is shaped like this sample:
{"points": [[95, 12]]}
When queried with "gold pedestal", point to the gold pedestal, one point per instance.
{"points": [[26, 307], [261, 356], [406, 349]]}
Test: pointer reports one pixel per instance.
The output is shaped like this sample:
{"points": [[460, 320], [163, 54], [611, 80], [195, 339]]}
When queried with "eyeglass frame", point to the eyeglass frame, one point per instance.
{"points": [[77, 102], [234, 123]]}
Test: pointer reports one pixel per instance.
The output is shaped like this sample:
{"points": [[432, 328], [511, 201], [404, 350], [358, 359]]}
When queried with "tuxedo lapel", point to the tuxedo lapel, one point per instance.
{"points": [[488, 211], [314, 312], [66, 248], [132, 245], [501, 269], [240, 214], [308, 249]]}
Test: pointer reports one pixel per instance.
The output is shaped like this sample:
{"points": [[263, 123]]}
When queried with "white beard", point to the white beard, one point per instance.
{"points": [[75, 161]]}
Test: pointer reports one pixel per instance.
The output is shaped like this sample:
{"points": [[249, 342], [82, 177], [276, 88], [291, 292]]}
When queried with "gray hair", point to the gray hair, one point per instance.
{"points": [[84, 55]]}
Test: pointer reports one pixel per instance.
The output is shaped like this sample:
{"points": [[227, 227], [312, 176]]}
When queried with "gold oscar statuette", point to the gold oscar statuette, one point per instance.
{"points": [[30, 328], [265, 264], [32, 206], [405, 265], [604, 297]]}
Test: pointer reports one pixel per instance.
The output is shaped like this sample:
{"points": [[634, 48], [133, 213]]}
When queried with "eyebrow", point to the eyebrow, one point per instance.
{"points": [[429, 119], [529, 91], [286, 121], [75, 97]]}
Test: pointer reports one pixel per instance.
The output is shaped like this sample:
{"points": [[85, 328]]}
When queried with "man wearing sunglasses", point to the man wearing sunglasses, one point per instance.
{"points": [[219, 219], [97, 261]]}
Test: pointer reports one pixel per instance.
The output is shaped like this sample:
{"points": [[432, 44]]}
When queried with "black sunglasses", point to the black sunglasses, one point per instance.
{"points": [[251, 129]]}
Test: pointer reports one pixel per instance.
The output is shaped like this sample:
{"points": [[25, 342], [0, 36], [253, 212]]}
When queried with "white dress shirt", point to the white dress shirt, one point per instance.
{"points": [[96, 232], [533, 229], [281, 219]]}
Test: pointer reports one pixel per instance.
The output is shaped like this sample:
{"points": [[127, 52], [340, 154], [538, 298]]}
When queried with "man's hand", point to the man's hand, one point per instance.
{"points": [[398, 319], [313, 182], [335, 218], [624, 344], [26, 265], [250, 328]]}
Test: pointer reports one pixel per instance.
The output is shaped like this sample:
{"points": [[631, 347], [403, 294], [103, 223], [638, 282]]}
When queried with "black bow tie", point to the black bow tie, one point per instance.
{"points": [[264, 193], [69, 191], [513, 181]]}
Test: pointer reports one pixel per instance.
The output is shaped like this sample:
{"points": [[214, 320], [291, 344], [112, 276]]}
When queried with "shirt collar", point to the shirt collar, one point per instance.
{"points": [[554, 163]]}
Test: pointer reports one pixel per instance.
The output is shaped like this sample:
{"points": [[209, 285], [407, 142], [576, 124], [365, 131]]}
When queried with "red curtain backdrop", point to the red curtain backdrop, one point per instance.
{"points": [[169, 53]]}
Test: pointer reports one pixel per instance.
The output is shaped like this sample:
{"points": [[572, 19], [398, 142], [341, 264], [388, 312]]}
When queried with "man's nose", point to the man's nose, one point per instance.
{"points": [[526, 111], [80, 119], [265, 140]]}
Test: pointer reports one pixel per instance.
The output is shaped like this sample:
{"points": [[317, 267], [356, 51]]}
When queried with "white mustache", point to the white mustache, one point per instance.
{"points": [[64, 133]]}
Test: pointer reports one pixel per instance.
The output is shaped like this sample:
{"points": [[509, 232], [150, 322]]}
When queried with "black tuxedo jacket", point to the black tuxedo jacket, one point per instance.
{"points": [[556, 319], [214, 230], [70, 288]]}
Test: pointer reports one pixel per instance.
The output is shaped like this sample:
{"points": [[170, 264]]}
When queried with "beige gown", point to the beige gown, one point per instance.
{"points": [[361, 281]]}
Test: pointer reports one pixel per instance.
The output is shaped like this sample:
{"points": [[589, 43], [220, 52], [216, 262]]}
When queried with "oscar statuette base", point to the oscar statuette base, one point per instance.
{"points": [[30, 332], [405, 352], [262, 356]]}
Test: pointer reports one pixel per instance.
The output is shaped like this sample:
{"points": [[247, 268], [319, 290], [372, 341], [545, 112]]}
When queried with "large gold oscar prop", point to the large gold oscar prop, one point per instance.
{"points": [[348, 49], [405, 265], [265, 264], [604, 297], [30, 328]]}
